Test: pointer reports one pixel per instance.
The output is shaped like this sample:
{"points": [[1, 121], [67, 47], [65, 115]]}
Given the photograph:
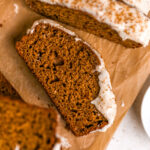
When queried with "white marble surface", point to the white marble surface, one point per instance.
{"points": [[130, 135]]}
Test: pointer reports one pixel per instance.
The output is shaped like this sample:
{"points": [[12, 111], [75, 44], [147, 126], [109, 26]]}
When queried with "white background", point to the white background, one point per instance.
{"points": [[130, 135]]}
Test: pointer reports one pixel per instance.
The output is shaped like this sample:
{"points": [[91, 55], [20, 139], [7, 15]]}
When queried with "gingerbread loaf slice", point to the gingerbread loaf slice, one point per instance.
{"points": [[72, 73], [110, 19], [26, 127], [46, 139]]}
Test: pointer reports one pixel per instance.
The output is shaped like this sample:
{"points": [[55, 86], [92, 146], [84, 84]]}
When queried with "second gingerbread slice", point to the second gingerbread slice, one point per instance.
{"points": [[72, 73]]}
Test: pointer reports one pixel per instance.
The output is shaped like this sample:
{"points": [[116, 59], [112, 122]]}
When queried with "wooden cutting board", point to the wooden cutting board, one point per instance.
{"points": [[128, 69]]}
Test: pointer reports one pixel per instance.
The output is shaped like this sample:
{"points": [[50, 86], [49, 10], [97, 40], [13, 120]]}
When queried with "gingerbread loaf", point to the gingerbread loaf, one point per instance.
{"points": [[110, 19], [72, 73], [22, 126], [26, 127]]}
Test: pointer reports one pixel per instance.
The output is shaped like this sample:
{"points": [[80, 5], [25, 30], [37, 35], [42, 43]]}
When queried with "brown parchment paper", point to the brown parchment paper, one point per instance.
{"points": [[128, 69]]}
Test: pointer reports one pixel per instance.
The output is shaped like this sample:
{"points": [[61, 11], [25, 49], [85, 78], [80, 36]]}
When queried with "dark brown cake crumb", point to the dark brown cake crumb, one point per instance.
{"points": [[25, 126], [65, 69], [6, 89], [22, 125]]}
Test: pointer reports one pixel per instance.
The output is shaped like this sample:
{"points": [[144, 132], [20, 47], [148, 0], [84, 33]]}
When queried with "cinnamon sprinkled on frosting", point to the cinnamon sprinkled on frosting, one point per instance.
{"points": [[127, 21], [142, 5]]}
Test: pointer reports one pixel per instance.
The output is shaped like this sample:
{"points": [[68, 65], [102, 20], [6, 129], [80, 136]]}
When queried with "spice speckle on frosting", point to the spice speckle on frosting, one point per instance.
{"points": [[142, 5], [127, 21]]}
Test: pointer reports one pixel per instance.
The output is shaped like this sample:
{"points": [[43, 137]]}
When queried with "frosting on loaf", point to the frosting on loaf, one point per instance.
{"points": [[128, 22], [142, 5]]}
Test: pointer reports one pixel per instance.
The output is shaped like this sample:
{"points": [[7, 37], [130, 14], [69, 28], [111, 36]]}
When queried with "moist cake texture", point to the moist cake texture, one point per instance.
{"points": [[6, 89], [113, 20], [66, 67], [26, 127], [23, 126]]}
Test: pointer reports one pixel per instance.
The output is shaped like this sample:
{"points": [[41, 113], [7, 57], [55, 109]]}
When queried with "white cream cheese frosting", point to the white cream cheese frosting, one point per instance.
{"points": [[52, 23], [17, 147], [142, 5], [63, 143], [105, 102], [16, 8], [128, 22]]}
